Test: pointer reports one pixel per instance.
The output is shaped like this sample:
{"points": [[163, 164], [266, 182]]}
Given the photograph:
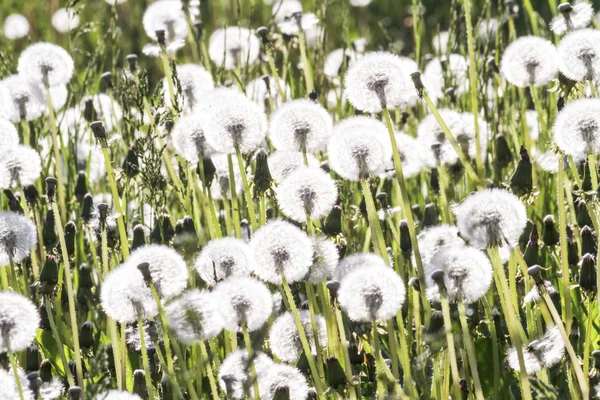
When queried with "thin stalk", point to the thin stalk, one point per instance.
{"points": [[275, 73], [306, 67], [247, 192], [403, 355], [57, 158], [13, 365], [377, 236], [450, 343], [470, 349], [381, 389], [588, 340], [593, 171], [4, 277], [56, 334], [235, 209], [248, 344], [211, 378], [562, 226], [145, 358], [495, 356], [167, 70]]}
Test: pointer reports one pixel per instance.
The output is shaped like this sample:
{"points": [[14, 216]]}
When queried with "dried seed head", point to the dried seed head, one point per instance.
{"points": [[283, 163], [284, 339], [579, 55], [9, 136], [195, 82], [529, 60], [435, 239], [431, 134], [336, 60], [19, 320], [21, 98], [577, 16], [265, 93], [355, 262], [168, 16], [233, 47], [292, 25], [577, 128], [16, 26], [47, 63], [281, 377], [18, 235], [188, 139], [9, 385], [325, 259], [225, 257], [541, 353], [19, 166], [434, 76], [234, 375], [65, 20], [195, 316]]}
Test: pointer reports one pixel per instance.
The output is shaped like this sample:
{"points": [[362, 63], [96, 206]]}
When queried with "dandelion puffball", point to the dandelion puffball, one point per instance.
{"points": [[233, 47], [117, 395], [283, 163], [19, 166], [375, 81], [579, 55], [9, 386], [290, 26], [285, 8], [577, 128], [300, 125], [357, 261], [18, 235], [281, 249], [284, 338], [19, 320], [224, 257], [243, 299], [335, 61], [8, 134], [430, 133], [264, 92], [46, 62], [308, 191], [491, 218], [281, 376], [24, 98], [436, 238], [65, 20], [194, 316], [529, 60], [188, 139], [16, 26], [434, 76], [195, 82], [325, 259], [167, 16], [232, 121], [579, 17], [234, 375], [541, 353]]}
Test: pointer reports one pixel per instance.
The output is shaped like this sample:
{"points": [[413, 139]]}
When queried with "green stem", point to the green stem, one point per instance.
{"points": [[13, 365], [562, 225], [115, 195], [211, 378], [470, 350], [235, 209], [247, 192], [450, 344], [57, 158], [61, 350], [145, 363], [377, 236], [248, 344], [306, 67]]}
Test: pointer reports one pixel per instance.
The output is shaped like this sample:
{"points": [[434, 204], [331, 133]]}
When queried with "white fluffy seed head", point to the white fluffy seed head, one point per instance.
{"points": [[16, 26], [412, 156], [285, 9], [52, 389], [188, 139], [167, 16], [46, 62], [578, 18], [441, 42], [436, 238], [195, 82], [195, 316], [283, 376], [357, 261], [284, 339], [9, 387], [167, 268], [281, 248], [125, 295], [300, 125], [235, 376], [577, 128], [233, 47], [283, 163], [430, 133], [325, 259], [291, 25], [306, 191], [529, 60], [19, 320], [257, 91], [335, 61], [65, 20], [22, 98], [541, 353], [117, 394], [491, 218], [19, 165], [243, 299], [220, 186], [579, 55], [231, 121], [533, 125], [375, 81], [9, 136], [224, 257], [455, 66], [368, 294], [467, 274], [18, 235]]}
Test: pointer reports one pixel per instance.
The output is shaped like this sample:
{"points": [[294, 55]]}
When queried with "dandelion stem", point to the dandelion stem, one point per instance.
{"points": [[57, 157], [470, 349], [211, 378], [306, 67], [593, 171], [247, 192], [234, 202], [248, 344], [145, 364], [588, 340], [562, 225], [494, 337], [381, 389], [377, 236], [275, 73], [450, 344], [56, 334], [167, 70], [4, 277], [13, 365]]}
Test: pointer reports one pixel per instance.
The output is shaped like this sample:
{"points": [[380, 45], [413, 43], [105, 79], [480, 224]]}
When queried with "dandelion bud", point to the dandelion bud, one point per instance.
{"points": [[139, 384], [195, 316], [573, 17], [333, 222], [521, 181], [335, 374], [87, 209], [131, 164], [492, 65], [262, 176], [74, 393], [541, 353], [19, 320], [44, 321], [13, 202], [582, 214], [234, 47], [550, 235], [224, 257], [160, 37], [588, 241], [107, 79], [45, 371], [535, 273], [70, 231], [98, 130], [529, 60], [49, 276], [313, 96], [50, 188], [49, 229], [587, 273], [132, 62], [163, 230], [430, 215], [33, 358], [234, 375], [283, 380], [243, 300], [80, 186], [284, 339], [532, 250], [503, 154]]}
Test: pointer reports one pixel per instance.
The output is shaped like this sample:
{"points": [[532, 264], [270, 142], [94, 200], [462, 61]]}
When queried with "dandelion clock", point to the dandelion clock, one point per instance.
{"points": [[529, 60]]}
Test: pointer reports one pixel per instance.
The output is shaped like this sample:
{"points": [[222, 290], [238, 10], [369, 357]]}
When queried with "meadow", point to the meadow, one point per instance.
{"points": [[299, 199]]}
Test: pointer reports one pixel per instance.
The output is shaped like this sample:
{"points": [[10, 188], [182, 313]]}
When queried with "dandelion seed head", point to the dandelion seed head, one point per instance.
{"points": [[375, 81], [224, 257], [367, 294], [541, 353], [24, 98], [220, 187], [491, 218], [52, 389], [195, 83], [466, 136], [134, 339], [412, 156], [283, 376], [441, 42], [467, 274], [529, 60], [285, 9], [430, 133], [233, 47], [335, 61], [19, 320], [58, 94], [325, 259], [531, 119], [577, 128], [436, 238], [243, 299], [167, 16], [284, 338], [300, 125], [231, 121], [9, 387], [117, 394], [46, 62], [290, 26], [306, 191], [65, 20], [579, 55], [9, 136], [18, 235], [168, 269], [16, 26], [154, 50], [195, 316], [487, 29], [188, 139], [357, 261], [281, 248], [19, 165], [534, 295], [257, 91], [434, 75], [234, 374], [579, 17], [547, 161], [283, 163]]}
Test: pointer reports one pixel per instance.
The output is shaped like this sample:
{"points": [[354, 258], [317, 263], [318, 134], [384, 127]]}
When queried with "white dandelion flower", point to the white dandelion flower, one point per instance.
{"points": [[578, 18], [188, 139], [25, 100], [195, 83], [117, 395], [533, 125], [234, 375], [52, 389], [335, 61], [410, 66], [281, 249], [534, 295], [290, 26], [541, 353], [151, 330], [436, 238], [46, 62], [65, 20], [243, 299], [171, 48], [529, 60], [300, 125], [167, 16], [125, 295], [577, 128], [430, 133], [58, 94], [306, 191], [441, 41], [579, 55], [232, 121], [224, 257], [367, 294], [375, 81], [491, 218], [466, 136], [284, 338], [455, 66], [467, 274], [9, 387], [16, 26], [283, 377], [413, 156], [9, 136], [18, 235], [263, 95], [283, 163], [325, 259], [284, 9], [220, 186], [168, 269], [19, 320], [547, 161], [233, 47], [19, 166], [357, 261], [195, 316]]}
